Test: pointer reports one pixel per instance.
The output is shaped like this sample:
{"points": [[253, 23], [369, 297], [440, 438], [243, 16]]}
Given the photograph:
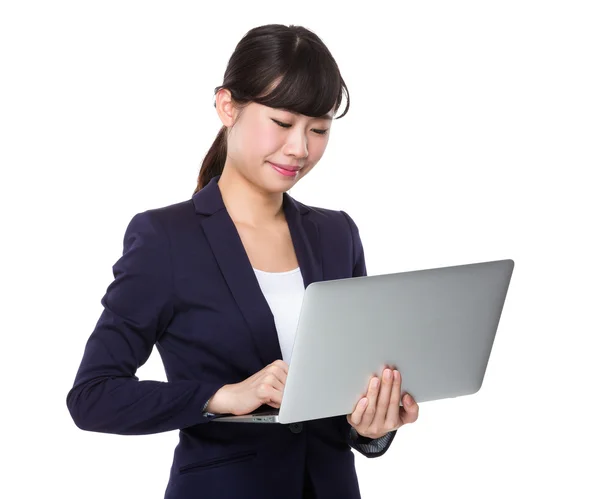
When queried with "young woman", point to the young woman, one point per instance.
{"points": [[216, 282]]}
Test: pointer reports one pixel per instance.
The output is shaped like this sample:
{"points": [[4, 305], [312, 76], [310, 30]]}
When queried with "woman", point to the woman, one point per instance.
{"points": [[216, 282]]}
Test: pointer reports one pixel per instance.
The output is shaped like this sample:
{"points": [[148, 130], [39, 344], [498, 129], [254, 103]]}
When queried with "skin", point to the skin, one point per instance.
{"points": [[381, 413], [252, 192]]}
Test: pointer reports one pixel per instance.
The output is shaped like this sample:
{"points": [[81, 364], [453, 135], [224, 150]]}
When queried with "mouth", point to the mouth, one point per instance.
{"points": [[289, 168], [290, 174]]}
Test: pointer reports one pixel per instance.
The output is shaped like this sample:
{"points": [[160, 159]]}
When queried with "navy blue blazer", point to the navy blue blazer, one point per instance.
{"points": [[185, 284]]}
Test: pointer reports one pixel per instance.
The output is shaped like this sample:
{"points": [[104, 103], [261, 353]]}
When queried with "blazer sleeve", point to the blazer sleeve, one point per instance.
{"points": [[138, 306], [369, 447]]}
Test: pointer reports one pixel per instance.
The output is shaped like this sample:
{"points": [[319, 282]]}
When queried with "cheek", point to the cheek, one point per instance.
{"points": [[261, 140], [319, 148], [316, 150]]}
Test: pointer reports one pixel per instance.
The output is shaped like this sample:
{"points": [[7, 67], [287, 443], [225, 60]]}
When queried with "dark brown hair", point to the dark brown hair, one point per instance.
{"points": [[285, 67]]}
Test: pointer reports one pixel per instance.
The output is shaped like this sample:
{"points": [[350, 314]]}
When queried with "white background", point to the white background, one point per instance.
{"points": [[473, 135]]}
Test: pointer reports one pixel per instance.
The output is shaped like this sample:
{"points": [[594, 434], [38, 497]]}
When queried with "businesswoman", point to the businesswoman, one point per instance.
{"points": [[216, 283]]}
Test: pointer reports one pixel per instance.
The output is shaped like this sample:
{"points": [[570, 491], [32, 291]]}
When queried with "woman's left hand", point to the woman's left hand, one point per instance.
{"points": [[382, 412]]}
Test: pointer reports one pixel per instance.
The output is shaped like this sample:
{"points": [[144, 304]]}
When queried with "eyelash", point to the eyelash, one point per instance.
{"points": [[285, 125]]}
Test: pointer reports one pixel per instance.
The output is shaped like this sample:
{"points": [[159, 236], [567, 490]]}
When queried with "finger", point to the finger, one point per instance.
{"points": [[276, 398], [372, 393], [281, 364], [269, 395], [392, 419], [274, 380], [277, 370], [410, 410], [359, 410], [383, 399]]}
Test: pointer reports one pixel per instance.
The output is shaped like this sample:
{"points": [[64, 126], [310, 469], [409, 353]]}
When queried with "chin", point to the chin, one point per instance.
{"points": [[280, 187]]}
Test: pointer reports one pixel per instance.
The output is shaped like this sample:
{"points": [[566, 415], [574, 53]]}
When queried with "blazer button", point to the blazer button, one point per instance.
{"points": [[295, 427]]}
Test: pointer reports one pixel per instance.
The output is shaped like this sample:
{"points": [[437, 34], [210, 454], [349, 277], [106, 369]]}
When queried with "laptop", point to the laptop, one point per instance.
{"points": [[436, 326]]}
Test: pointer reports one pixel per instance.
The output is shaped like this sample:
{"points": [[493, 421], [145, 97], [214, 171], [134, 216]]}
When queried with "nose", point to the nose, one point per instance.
{"points": [[297, 145]]}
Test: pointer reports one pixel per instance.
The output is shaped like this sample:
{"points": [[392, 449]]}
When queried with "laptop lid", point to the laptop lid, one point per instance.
{"points": [[436, 326]]}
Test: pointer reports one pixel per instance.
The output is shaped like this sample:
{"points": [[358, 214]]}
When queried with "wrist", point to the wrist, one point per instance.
{"points": [[355, 436], [218, 403]]}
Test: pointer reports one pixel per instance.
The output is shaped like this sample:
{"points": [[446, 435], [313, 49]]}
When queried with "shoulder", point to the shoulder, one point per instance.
{"points": [[327, 216], [161, 223], [168, 216]]}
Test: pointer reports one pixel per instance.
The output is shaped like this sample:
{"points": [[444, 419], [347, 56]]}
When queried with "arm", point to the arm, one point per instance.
{"points": [[138, 305], [369, 447]]}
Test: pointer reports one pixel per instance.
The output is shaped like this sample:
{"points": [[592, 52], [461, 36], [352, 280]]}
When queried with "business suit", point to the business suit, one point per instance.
{"points": [[185, 283]]}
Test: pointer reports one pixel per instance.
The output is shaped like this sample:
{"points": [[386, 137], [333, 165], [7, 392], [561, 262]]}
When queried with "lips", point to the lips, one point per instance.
{"points": [[289, 168]]}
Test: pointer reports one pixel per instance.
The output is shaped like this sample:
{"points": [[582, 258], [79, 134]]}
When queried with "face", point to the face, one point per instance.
{"points": [[264, 137]]}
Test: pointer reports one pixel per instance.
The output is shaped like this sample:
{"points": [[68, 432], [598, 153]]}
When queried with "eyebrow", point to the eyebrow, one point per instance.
{"points": [[324, 117]]}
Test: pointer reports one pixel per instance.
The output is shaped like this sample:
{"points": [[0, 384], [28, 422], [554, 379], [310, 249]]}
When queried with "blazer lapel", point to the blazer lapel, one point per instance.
{"points": [[231, 256]]}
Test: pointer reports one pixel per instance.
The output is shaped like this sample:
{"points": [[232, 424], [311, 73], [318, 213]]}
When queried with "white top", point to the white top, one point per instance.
{"points": [[284, 292]]}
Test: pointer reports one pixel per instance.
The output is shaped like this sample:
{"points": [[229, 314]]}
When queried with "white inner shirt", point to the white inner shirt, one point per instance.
{"points": [[284, 292]]}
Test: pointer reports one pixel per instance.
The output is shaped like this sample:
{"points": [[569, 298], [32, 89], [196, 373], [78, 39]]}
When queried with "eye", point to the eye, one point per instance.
{"points": [[286, 125]]}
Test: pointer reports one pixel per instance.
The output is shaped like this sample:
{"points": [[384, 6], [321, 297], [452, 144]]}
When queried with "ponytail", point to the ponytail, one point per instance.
{"points": [[214, 161]]}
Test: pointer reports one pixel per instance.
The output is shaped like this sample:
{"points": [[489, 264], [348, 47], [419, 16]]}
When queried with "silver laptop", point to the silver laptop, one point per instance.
{"points": [[436, 326]]}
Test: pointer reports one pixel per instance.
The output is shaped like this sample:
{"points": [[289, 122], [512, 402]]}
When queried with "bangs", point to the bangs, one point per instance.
{"points": [[311, 85]]}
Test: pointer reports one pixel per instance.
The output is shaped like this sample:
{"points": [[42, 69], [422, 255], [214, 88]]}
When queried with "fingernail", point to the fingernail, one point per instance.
{"points": [[363, 402], [375, 382], [388, 374], [409, 400]]}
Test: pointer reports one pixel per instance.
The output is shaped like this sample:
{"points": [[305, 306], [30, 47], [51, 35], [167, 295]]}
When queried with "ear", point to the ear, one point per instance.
{"points": [[225, 108]]}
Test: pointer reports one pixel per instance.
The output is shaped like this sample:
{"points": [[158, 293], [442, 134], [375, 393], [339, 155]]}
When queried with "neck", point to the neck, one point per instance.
{"points": [[246, 203]]}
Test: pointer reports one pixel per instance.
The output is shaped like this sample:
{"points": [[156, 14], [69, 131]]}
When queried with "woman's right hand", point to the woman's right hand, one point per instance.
{"points": [[264, 387]]}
